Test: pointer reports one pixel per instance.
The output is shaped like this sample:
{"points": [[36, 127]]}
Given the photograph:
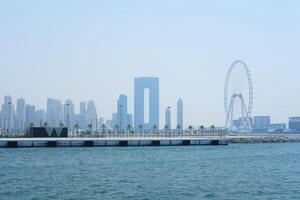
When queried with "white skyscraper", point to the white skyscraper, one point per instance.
{"points": [[180, 114], [122, 112], [8, 115], [168, 118], [20, 114], [54, 112], [82, 115], [92, 115]]}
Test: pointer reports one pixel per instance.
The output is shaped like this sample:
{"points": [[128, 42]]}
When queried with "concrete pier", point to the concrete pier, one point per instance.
{"points": [[109, 142]]}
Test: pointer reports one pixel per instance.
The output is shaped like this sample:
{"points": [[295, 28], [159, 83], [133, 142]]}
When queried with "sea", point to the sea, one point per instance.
{"points": [[236, 171]]}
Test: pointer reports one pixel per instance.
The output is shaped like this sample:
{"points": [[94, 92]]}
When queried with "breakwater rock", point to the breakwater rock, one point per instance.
{"points": [[263, 138]]}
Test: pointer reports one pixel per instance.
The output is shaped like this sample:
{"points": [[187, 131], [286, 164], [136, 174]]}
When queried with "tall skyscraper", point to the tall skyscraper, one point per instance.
{"points": [[30, 115], [180, 113], [168, 118], [121, 117], [54, 112], [20, 114], [146, 91], [82, 115], [8, 114], [69, 114], [122, 112], [92, 115]]}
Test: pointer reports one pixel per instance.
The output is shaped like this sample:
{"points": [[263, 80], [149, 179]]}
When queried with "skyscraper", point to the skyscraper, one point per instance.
{"points": [[121, 117], [20, 114], [122, 112], [180, 114], [54, 112], [69, 113], [92, 115], [168, 118], [30, 116], [82, 115], [40, 117], [8, 114], [146, 102]]}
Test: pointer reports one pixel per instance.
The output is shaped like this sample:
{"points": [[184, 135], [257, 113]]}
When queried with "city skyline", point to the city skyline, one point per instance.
{"points": [[146, 95], [95, 55]]}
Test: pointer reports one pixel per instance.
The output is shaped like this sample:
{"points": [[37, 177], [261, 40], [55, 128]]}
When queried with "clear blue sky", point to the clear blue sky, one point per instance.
{"points": [[93, 49]]}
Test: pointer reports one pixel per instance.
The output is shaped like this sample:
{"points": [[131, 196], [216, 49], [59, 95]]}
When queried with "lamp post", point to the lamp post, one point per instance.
{"points": [[9, 117], [68, 117], [120, 118]]}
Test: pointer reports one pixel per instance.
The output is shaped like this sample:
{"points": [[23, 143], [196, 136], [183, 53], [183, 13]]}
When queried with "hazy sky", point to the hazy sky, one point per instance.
{"points": [[83, 50]]}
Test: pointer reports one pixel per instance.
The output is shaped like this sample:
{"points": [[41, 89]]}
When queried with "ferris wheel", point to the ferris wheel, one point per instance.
{"points": [[229, 106]]}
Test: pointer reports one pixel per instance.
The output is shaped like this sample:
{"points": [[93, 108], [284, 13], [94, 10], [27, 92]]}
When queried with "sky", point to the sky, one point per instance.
{"points": [[93, 49]]}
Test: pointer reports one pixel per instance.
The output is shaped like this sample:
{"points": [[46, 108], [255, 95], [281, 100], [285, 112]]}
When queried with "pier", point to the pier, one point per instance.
{"points": [[115, 140]]}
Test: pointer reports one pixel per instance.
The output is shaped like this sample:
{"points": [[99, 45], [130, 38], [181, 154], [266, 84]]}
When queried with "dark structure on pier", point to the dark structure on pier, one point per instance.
{"points": [[48, 132]]}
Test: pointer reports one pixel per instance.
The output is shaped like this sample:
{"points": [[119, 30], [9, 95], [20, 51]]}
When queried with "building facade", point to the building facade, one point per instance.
{"points": [[294, 124], [141, 116], [20, 115], [261, 123], [54, 112], [168, 118], [180, 114]]}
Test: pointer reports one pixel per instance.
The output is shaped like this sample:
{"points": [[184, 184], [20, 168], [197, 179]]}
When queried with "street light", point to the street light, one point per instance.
{"points": [[120, 118]]}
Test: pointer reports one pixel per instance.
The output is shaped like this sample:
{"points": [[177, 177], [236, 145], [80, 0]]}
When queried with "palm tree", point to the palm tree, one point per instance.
{"points": [[116, 128], [178, 128], [201, 128], [166, 128], [76, 127], [31, 124], [190, 129], [154, 129], [129, 127], [212, 127], [46, 124], [90, 126], [141, 127], [103, 128], [61, 124]]}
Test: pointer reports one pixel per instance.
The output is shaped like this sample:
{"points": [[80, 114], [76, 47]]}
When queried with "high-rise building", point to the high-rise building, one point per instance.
{"points": [[168, 118], [261, 123], [30, 116], [129, 120], [101, 121], [40, 117], [146, 102], [180, 114], [121, 118], [82, 115], [92, 115], [54, 112], [294, 123], [8, 114], [69, 114], [122, 112], [20, 114]]}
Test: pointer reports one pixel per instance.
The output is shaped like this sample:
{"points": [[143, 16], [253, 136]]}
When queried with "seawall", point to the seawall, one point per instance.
{"points": [[265, 138]]}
